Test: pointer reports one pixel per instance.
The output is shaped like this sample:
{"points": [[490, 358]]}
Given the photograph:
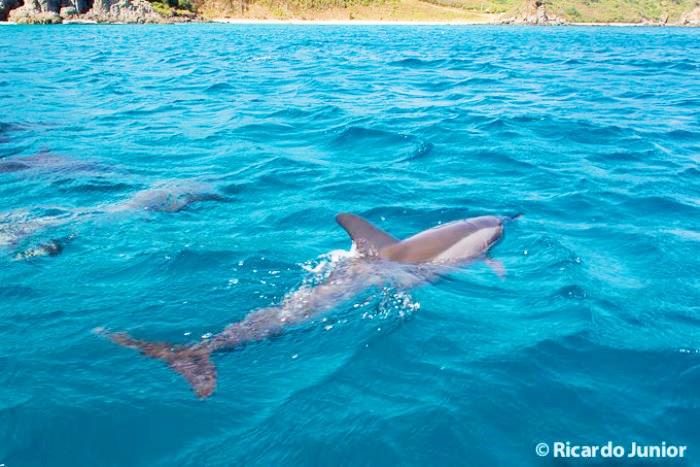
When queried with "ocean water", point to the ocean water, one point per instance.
{"points": [[593, 335]]}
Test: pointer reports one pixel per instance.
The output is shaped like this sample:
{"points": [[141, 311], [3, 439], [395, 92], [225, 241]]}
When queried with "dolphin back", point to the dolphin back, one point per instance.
{"points": [[448, 243]]}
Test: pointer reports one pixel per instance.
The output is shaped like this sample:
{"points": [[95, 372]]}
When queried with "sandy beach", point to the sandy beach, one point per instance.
{"points": [[359, 22], [420, 23], [349, 22]]}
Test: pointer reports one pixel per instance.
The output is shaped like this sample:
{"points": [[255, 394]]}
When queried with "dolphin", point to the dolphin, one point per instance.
{"points": [[13, 166], [46, 161], [379, 259], [53, 247], [19, 224], [171, 196]]}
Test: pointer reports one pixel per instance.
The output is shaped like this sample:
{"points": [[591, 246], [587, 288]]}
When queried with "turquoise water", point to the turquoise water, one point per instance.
{"points": [[592, 133]]}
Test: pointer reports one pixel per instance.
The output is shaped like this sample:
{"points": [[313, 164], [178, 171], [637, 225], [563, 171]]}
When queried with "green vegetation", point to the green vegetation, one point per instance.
{"points": [[173, 8], [594, 11], [578, 11], [481, 6], [388, 10], [620, 11]]}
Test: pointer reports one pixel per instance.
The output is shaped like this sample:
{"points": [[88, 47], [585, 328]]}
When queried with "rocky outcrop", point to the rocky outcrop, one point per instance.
{"points": [[691, 18], [47, 11], [533, 12], [27, 16], [101, 11], [123, 11], [5, 7], [37, 12]]}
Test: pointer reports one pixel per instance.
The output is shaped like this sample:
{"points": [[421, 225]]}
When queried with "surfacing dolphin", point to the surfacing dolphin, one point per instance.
{"points": [[53, 247], [381, 259]]}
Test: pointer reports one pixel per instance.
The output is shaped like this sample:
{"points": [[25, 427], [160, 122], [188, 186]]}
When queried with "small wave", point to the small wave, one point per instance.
{"points": [[417, 63], [296, 113], [220, 87], [422, 151], [187, 260], [368, 141], [362, 135], [690, 171], [17, 291], [683, 135], [621, 156], [574, 61], [257, 131], [500, 159], [6, 127], [692, 235], [478, 81], [572, 292], [659, 206], [95, 185], [591, 133], [652, 65], [236, 188]]}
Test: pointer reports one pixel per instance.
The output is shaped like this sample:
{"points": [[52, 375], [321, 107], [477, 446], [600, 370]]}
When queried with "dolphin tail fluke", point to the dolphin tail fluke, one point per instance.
{"points": [[192, 362]]}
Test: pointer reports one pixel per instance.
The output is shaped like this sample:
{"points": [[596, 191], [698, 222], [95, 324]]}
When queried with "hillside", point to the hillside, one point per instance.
{"points": [[382, 10], [569, 11], [616, 11], [472, 11]]}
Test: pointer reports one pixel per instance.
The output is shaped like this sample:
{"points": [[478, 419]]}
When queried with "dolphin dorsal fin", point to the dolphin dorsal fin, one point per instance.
{"points": [[368, 239]]}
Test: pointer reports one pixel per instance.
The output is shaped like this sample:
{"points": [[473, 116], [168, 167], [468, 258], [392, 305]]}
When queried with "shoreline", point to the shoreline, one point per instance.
{"points": [[358, 22], [349, 22], [362, 22]]}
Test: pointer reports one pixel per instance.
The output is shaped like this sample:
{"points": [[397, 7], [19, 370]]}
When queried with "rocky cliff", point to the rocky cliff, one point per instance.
{"points": [[125, 11], [691, 18], [532, 12], [5, 7], [58, 11]]}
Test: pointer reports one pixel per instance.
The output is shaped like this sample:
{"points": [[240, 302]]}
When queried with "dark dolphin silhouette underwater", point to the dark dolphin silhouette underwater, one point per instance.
{"points": [[46, 161], [380, 259], [173, 196], [170, 196]]}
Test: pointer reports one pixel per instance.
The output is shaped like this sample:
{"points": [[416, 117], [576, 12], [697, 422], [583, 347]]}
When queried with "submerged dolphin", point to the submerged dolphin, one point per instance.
{"points": [[168, 197], [46, 161], [381, 260], [172, 196], [19, 224]]}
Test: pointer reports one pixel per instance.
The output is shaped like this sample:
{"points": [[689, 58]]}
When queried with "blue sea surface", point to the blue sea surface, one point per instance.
{"points": [[593, 335]]}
